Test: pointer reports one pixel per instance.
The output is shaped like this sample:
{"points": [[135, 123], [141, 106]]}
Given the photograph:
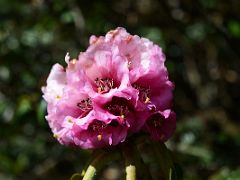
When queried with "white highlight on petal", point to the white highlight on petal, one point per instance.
{"points": [[67, 58], [55, 84]]}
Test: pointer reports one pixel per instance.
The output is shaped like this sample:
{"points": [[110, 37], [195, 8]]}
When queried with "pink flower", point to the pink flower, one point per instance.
{"points": [[161, 125], [117, 87]]}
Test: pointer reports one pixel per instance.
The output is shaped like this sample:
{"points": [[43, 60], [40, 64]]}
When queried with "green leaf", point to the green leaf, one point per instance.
{"points": [[159, 160], [41, 111], [176, 172], [234, 28]]}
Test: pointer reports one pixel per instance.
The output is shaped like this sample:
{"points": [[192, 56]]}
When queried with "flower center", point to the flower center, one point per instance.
{"points": [[85, 105], [156, 120], [97, 126], [104, 84], [144, 93], [119, 106]]}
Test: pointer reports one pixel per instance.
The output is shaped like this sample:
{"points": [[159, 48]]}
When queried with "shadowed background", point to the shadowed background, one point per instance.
{"points": [[201, 40]]}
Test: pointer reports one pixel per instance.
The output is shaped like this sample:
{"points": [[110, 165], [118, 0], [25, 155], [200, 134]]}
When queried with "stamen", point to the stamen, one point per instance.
{"points": [[147, 100], [118, 110], [144, 93], [70, 120], [99, 137], [104, 84], [97, 126], [58, 97], [119, 106], [55, 136], [85, 105]]}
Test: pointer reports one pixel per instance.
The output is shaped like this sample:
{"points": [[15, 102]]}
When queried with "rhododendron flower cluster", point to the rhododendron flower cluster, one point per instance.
{"points": [[118, 87]]}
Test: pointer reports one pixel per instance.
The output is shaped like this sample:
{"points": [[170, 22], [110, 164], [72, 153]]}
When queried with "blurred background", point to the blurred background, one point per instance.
{"points": [[201, 39]]}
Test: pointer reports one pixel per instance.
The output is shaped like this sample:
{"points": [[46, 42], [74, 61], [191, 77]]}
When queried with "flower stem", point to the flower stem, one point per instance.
{"points": [[94, 165], [98, 163], [90, 173], [128, 154], [130, 172]]}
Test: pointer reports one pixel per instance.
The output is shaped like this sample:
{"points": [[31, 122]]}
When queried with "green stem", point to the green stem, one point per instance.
{"points": [[98, 163], [130, 172], [92, 168], [90, 173], [128, 154]]}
